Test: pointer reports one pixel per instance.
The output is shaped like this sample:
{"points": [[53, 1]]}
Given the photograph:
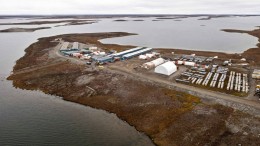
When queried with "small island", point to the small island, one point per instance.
{"points": [[120, 20], [17, 29]]}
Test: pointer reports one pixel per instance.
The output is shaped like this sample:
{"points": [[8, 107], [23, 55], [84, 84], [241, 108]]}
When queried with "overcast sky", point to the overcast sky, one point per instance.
{"points": [[130, 7]]}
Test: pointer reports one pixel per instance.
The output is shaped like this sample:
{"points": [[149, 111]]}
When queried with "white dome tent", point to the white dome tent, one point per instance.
{"points": [[167, 68], [153, 63]]}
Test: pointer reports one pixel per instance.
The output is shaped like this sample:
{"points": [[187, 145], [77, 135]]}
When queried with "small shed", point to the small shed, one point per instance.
{"points": [[187, 63], [142, 57], [167, 68]]}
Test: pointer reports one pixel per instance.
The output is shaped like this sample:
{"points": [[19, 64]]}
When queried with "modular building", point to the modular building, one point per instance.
{"points": [[103, 59], [189, 63], [64, 46], [167, 68], [120, 54], [69, 52], [75, 45], [256, 74], [133, 54]]}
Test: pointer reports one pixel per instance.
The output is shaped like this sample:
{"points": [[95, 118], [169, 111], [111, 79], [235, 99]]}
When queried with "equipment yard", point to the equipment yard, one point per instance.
{"points": [[224, 75]]}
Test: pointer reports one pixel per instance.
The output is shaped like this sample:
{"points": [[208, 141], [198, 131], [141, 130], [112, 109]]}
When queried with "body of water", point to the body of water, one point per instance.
{"points": [[34, 118]]}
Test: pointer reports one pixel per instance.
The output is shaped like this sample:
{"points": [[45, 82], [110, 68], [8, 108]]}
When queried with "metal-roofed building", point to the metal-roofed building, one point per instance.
{"points": [[102, 59], [133, 54], [120, 54], [75, 45], [64, 46]]}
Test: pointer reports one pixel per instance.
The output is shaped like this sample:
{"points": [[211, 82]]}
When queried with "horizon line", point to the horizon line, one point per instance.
{"points": [[119, 14]]}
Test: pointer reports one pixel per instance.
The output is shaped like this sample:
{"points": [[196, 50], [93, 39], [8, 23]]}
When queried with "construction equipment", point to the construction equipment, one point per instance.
{"points": [[257, 91]]}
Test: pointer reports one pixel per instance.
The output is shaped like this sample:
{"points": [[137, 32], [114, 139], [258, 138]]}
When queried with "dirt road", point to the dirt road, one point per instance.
{"points": [[249, 106]]}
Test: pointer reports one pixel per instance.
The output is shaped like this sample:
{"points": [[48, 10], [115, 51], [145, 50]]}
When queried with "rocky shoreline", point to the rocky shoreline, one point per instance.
{"points": [[167, 116]]}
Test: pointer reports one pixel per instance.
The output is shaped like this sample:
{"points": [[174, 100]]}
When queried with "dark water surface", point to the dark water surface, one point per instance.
{"points": [[34, 118]]}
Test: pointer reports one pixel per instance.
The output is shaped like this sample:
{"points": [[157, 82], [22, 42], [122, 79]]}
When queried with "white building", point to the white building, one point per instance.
{"points": [[153, 63], [64, 46], [256, 74], [167, 68], [75, 45]]}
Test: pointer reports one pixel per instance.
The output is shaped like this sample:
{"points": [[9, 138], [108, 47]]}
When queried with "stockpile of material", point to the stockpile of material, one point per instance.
{"points": [[221, 81], [214, 80], [238, 82], [222, 70], [188, 74], [245, 87], [200, 79], [231, 80], [206, 81]]}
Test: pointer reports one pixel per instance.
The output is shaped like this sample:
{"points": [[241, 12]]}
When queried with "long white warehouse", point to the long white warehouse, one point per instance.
{"points": [[133, 54], [167, 68], [127, 51]]}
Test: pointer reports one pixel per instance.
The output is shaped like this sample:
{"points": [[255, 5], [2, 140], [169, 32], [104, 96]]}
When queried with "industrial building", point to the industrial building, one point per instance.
{"points": [[69, 52], [136, 53], [104, 59], [167, 68], [120, 54], [75, 45]]}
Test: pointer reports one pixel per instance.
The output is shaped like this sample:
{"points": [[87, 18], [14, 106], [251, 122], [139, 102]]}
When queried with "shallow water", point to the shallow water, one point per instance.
{"points": [[34, 118]]}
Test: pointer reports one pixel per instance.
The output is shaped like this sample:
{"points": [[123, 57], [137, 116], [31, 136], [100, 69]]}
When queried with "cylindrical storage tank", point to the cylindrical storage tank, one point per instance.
{"points": [[189, 63]]}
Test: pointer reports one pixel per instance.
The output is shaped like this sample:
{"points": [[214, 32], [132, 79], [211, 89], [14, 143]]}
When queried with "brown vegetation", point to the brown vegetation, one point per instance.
{"points": [[23, 29], [169, 117], [69, 22]]}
